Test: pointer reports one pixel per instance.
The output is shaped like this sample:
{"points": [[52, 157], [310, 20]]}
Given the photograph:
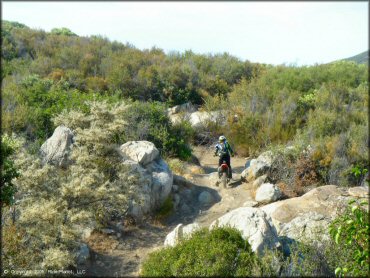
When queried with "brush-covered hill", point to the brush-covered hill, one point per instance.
{"points": [[362, 58]]}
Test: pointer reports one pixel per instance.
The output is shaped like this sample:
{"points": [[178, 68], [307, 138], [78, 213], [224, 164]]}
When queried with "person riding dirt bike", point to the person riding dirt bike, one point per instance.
{"points": [[224, 151]]}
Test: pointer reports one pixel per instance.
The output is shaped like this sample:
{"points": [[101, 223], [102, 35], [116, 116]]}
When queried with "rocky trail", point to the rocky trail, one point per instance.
{"points": [[198, 202], [118, 253]]}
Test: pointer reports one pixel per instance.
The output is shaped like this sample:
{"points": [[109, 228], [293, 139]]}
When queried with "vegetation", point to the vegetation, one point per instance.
{"points": [[351, 231], [219, 252], [108, 93], [57, 205], [8, 170]]}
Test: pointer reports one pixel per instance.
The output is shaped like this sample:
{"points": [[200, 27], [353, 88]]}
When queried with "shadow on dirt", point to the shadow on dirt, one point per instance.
{"points": [[190, 202]]}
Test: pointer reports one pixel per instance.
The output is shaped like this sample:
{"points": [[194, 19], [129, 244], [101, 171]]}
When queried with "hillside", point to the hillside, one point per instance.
{"points": [[362, 58], [108, 151]]}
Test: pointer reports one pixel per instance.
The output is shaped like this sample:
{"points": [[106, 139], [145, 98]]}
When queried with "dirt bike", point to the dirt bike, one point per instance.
{"points": [[223, 174]]}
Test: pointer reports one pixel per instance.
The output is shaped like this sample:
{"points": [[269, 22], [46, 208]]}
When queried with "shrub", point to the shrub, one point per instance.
{"points": [[217, 252], [351, 231], [56, 205], [152, 124], [8, 170]]}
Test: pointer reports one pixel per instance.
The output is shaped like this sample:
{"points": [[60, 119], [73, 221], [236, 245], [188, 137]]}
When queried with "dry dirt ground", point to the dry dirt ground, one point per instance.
{"points": [[120, 254]]}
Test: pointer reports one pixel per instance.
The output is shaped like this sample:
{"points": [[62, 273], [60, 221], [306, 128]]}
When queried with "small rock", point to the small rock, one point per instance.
{"points": [[175, 188], [107, 231], [250, 204], [205, 198], [267, 193]]}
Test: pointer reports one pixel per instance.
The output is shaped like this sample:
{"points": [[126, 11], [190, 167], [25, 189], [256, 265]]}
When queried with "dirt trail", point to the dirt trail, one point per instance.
{"points": [[119, 255]]}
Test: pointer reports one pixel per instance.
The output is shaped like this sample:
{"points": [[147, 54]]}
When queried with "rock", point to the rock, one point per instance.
{"points": [[200, 119], [258, 166], [259, 181], [323, 200], [205, 198], [185, 209], [176, 200], [181, 181], [56, 149], [359, 191], [174, 236], [175, 188], [162, 181], [268, 193], [179, 233], [254, 225], [142, 152], [250, 204], [155, 180], [365, 181], [83, 254], [307, 227], [186, 107], [107, 231], [143, 203]]}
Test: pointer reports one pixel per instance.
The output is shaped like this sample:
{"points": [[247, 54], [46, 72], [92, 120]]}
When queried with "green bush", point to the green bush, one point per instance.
{"points": [[152, 124], [351, 231], [217, 252], [8, 170]]}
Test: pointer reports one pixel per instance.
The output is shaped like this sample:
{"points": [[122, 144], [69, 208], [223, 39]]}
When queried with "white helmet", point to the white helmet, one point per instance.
{"points": [[222, 138]]}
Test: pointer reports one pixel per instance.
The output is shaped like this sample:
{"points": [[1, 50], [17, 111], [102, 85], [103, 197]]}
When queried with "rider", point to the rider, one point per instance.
{"points": [[224, 150]]}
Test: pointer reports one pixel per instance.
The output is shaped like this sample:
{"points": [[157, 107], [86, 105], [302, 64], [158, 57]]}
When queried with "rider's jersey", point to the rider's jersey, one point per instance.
{"points": [[223, 149]]}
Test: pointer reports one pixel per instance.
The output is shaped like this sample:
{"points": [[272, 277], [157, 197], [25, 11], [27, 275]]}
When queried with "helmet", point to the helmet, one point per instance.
{"points": [[222, 138]]}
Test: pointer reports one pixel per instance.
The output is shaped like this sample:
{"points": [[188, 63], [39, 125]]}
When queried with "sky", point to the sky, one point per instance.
{"points": [[292, 33]]}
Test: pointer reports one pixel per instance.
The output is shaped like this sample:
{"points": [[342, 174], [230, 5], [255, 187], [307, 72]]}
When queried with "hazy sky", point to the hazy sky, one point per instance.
{"points": [[301, 33]]}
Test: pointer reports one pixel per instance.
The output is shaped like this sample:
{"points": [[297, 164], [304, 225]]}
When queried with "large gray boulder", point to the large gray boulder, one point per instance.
{"points": [[180, 232], [155, 180], [258, 166], [254, 225], [56, 149], [324, 200], [307, 227], [268, 193], [200, 119], [142, 152], [143, 201], [162, 180]]}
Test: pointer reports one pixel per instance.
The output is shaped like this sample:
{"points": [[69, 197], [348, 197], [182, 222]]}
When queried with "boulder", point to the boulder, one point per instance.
{"points": [[259, 181], [142, 152], [180, 232], [200, 119], [142, 203], [254, 225], [306, 227], [258, 166], [186, 107], [162, 181], [205, 198], [56, 149], [324, 200], [83, 254], [359, 191], [156, 180], [268, 193]]}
